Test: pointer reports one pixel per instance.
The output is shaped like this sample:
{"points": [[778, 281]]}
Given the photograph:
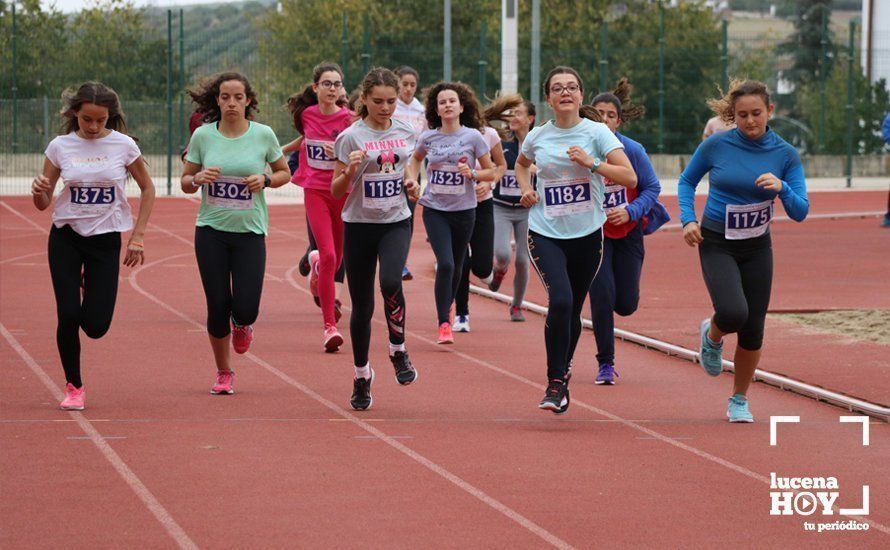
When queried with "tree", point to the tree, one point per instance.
{"points": [[805, 44], [41, 44]]}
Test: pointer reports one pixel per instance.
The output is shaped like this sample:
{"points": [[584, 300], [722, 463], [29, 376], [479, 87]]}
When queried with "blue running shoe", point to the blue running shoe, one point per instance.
{"points": [[738, 409], [709, 355], [406, 274], [606, 375]]}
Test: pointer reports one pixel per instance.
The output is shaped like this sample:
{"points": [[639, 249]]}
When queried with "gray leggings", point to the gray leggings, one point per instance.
{"points": [[512, 222]]}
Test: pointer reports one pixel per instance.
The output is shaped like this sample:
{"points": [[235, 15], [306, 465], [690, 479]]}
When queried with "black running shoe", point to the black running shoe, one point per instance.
{"points": [[304, 264], [556, 398], [361, 393], [405, 372]]}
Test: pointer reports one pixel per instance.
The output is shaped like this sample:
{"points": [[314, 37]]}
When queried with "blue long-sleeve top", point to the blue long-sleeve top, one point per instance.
{"points": [[648, 186], [735, 162]]}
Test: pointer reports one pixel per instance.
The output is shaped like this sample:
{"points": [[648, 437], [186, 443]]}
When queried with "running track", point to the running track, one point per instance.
{"points": [[461, 458]]}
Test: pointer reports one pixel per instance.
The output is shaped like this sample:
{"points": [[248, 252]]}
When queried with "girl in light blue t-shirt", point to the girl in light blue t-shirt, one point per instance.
{"points": [[565, 240]]}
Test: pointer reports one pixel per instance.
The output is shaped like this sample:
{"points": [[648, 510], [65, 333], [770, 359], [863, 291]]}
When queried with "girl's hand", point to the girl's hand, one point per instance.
{"points": [[328, 150], [529, 199], [413, 189], [464, 170], [40, 186], [255, 182], [618, 216], [135, 253], [578, 156], [482, 188], [692, 234], [355, 159], [207, 175], [769, 181]]}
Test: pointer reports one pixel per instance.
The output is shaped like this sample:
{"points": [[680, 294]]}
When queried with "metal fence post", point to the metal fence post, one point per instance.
{"points": [[183, 124], [849, 108], [344, 45], [823, 68], [660, 78], [169, 102], [724, 56], [482, 61], [46, 132], [366, 44], [15, 90], [446, 47], [535, 77], [604, 56]]}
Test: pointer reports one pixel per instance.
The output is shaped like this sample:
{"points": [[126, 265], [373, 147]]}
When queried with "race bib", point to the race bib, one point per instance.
{"points": [[92, 198], [746, 221], [446, 180], [382, 191], [615, 196], [229, 192], [564, 197], [509, 185], [316, 155]]}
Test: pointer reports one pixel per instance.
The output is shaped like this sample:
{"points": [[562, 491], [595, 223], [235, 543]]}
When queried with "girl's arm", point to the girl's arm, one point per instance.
{"points": [[523, 176], [618, 169], [44, 185], [648, 186], [135, 246], [292, 146]]}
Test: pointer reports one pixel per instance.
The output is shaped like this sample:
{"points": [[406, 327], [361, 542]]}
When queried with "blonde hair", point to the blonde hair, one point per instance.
{"points": [[724, 106]]}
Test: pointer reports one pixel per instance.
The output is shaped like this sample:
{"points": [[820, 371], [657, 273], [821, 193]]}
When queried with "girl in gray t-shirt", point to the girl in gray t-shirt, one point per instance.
{"points": [[449, 200], [370, 161]]}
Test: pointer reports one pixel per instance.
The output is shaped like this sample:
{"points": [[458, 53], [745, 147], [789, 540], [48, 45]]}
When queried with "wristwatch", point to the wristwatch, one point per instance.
{"points": [[473, 173], [268, 180], [596, 164]]}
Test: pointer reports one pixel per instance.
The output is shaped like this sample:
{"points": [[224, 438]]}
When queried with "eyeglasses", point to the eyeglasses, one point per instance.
{"points": [[327, 84], [558, 89]]}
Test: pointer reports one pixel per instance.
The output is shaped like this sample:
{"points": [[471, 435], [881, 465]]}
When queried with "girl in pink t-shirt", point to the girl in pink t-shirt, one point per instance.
{"points": [[319, 119]]}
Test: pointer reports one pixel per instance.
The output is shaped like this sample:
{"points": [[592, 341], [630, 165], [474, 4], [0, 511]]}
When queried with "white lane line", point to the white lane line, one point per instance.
{"points": [[130, 478], [495, 504], [17, 258]]}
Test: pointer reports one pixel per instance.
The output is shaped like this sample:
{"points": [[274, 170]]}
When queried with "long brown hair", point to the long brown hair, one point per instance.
{"points": [[97, 94], [724, 106], [300, 101], [471, 117], [498, 108], [207, 92], [620, 98]]}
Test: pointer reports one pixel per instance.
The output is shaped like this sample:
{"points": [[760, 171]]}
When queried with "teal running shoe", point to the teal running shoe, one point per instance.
{"points": [[738, 409], [710, 356]]}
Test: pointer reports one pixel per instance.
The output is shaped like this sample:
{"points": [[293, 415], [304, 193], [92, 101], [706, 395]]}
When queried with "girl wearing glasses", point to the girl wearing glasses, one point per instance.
{"points": [[566, 218], [319, 119], [449, 200]]}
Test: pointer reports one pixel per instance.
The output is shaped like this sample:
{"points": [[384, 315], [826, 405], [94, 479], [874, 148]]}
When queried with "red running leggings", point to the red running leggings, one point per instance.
{"points": [[323, 212]]}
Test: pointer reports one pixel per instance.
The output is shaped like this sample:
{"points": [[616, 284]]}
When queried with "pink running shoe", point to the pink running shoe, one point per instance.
{"points": [[332, 339], [241, 337], [445, 336], [225, 380], [74, 398], [313, 276]]}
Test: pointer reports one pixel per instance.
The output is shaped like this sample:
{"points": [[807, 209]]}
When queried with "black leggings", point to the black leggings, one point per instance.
{"points": [[449, 233], [232, 267], [341, 271], [99, 258], [739, 277], [479, 256], [363, 245], [566, 267], [615, 289]]}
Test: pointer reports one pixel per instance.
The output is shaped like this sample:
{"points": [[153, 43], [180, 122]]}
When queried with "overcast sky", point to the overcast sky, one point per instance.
{"points": [[75, 5]]}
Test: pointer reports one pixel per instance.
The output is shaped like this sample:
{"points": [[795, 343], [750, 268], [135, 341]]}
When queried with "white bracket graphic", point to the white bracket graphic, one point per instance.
{"points": [[858, 511], [862, 420], [774, 420]]}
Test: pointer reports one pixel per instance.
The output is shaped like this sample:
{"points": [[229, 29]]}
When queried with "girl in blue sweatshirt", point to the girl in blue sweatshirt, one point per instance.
{"points": [[749, 167], [630, 214]]}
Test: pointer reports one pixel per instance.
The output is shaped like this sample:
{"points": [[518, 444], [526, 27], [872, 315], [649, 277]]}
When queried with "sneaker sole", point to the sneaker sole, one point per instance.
{"points": [[464, 330], [553, 408], [739, 420], [408, 383], [333, 344], [224, 392], [605, 382], [408, 277], [443, 342], [61, 408]]}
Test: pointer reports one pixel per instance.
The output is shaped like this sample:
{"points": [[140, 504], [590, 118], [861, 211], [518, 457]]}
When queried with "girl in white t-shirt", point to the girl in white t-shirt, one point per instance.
{"points": [[94, 157]]}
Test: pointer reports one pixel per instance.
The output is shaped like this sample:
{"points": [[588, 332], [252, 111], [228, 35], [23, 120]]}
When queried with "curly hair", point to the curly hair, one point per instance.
{"points": [[207, 92], [724, 106], [620, 98], [300, 101], [98, 94], [471, 117], [378, 76]]}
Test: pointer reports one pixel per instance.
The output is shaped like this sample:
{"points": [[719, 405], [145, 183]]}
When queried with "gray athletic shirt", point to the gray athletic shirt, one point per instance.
{"points": [[377, 191], [446, 190]]}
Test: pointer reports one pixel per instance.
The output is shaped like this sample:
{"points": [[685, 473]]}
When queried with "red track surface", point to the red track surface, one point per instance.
{"points": [[461, 458]]}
